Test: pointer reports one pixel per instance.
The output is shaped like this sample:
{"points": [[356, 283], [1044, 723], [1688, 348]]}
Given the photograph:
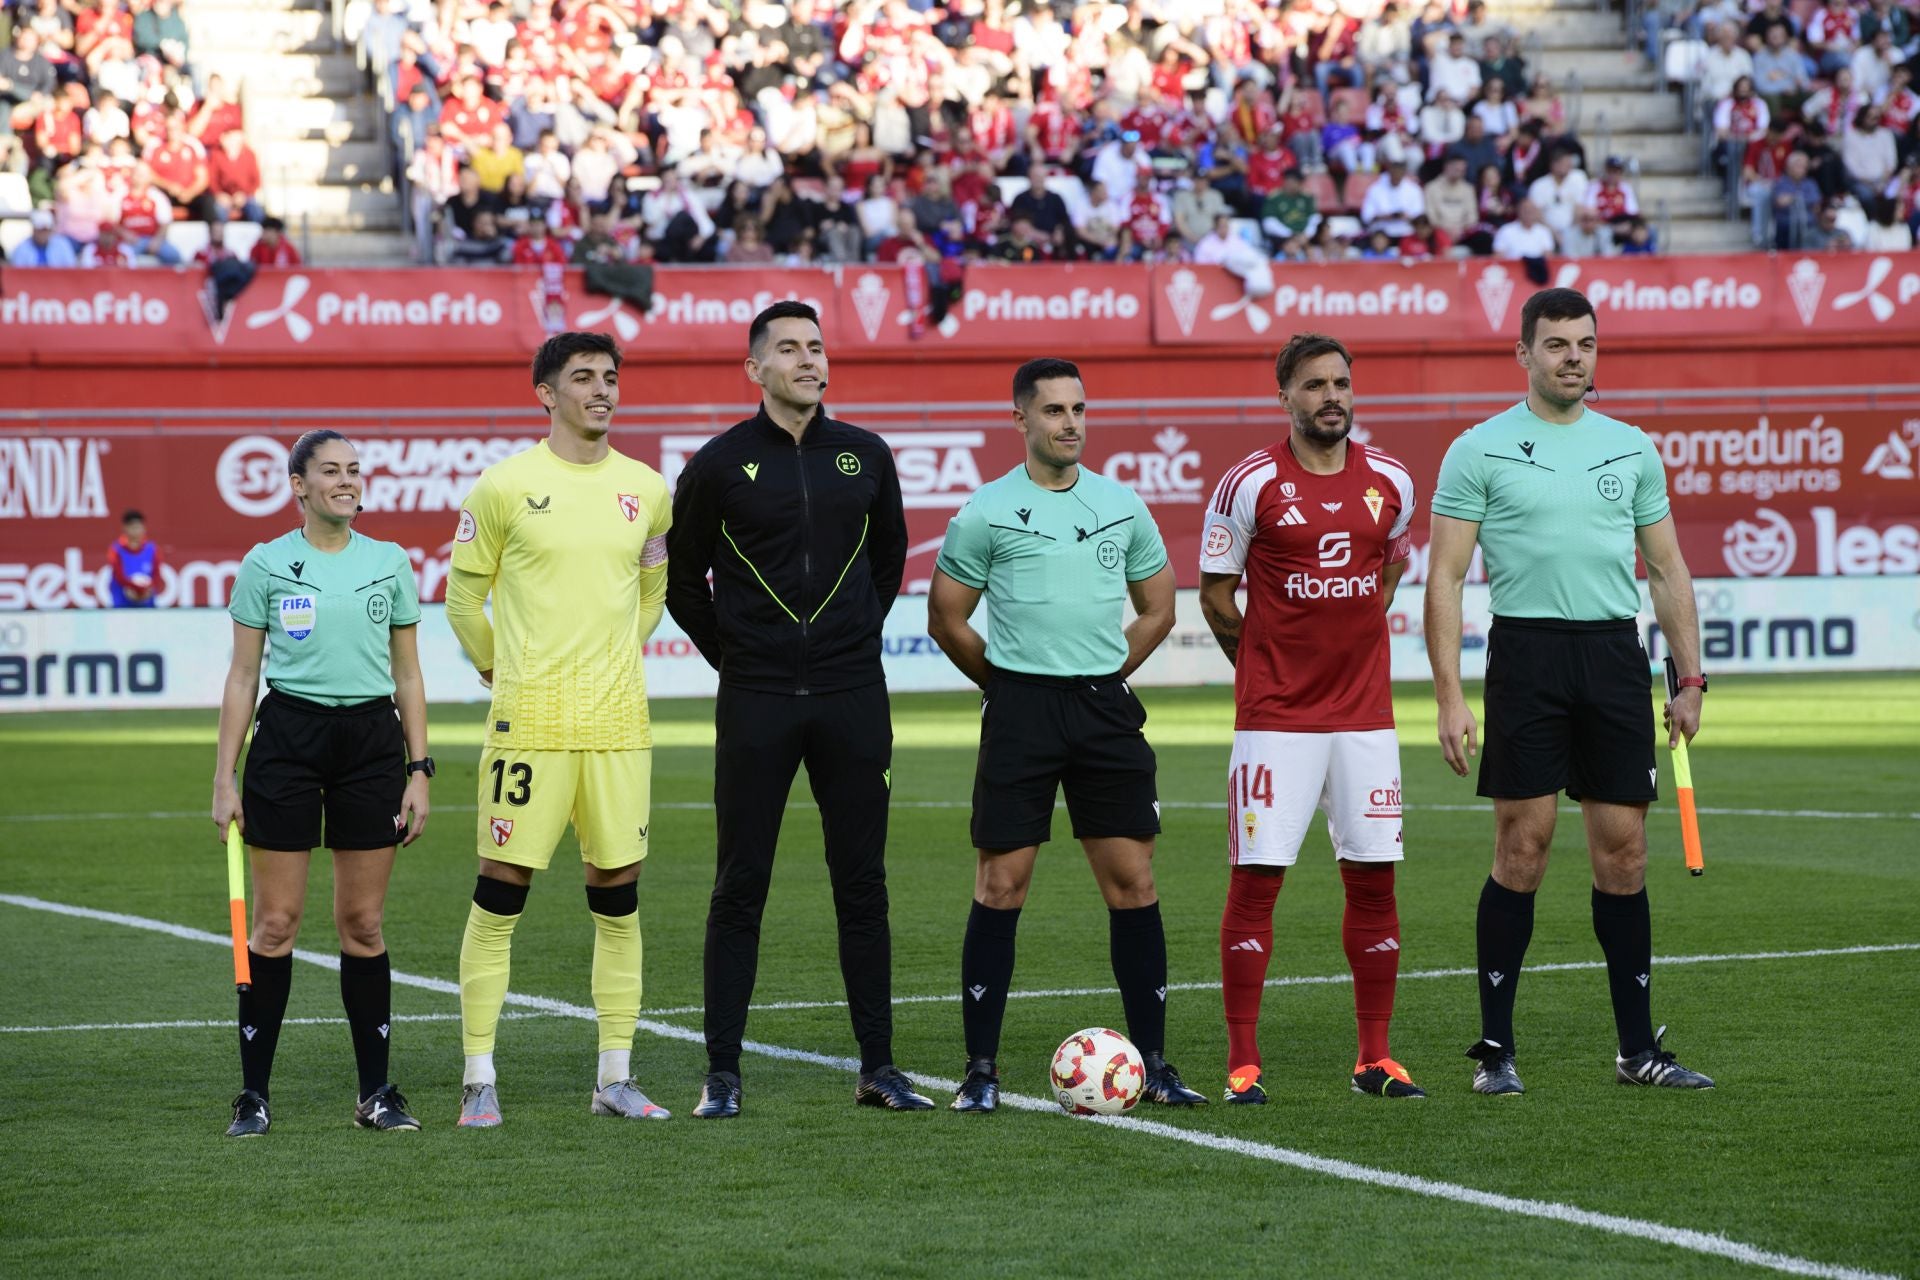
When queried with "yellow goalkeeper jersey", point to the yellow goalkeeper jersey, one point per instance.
{"points": [[577, 556]]}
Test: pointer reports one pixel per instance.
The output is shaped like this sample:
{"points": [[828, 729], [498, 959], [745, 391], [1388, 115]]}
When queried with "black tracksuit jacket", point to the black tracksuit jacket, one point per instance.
{"points": [[807, 542]]}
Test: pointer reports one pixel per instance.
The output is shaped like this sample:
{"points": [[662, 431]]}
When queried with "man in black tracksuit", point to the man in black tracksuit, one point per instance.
{"points": [[799, 518]]}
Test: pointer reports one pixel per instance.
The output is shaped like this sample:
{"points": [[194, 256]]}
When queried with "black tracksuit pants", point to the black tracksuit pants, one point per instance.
{"points": [[845, 740]]}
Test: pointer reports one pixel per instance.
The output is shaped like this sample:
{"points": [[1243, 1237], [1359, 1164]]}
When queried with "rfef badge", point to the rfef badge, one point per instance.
{"points": [[297, 616]]}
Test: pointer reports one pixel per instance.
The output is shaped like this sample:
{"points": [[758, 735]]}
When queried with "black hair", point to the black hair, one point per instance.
{"points": [[787, 310], [1302, 347], [131, 514], [551, 359], [1553, 304], [302, 452], [271, 223], [1028, 377]]}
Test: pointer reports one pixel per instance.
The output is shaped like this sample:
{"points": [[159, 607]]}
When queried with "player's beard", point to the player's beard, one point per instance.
{"points": [[1557, 393], [1313, 429]]}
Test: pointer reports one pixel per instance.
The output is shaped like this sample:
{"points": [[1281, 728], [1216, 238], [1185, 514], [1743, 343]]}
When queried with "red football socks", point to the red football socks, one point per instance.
{"points": [[1370, 932], [1246, 945]]}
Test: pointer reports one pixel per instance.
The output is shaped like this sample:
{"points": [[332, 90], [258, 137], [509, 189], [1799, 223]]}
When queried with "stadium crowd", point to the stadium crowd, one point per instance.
{"points": [[1812, 112], [1317, 130], [871, 130], [876, 129], [108, 134]]}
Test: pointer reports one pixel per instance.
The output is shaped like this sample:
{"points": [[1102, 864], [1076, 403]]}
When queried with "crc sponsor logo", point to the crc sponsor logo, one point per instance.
{"points": [[1763, 461], [412, 473], [99, 309], [1384, 802], [1172, 474], [52, 479], [302, 318], [1702, 293], [687, 309], [1768, 545], [1390, 299]]}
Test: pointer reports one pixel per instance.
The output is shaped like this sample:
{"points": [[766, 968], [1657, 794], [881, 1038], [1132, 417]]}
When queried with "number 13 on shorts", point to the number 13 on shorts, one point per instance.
{"points": [[1276, 781]]}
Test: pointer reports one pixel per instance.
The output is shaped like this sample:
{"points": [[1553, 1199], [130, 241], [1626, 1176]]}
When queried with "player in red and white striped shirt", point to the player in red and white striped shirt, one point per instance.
{"points": [[1317, 525]]}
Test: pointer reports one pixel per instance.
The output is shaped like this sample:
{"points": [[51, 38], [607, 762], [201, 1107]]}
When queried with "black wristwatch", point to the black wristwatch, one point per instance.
{"points": [[424, 765]]}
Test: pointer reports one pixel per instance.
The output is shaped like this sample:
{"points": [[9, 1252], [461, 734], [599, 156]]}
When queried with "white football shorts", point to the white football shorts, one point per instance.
{"points": [[1277, 780]]}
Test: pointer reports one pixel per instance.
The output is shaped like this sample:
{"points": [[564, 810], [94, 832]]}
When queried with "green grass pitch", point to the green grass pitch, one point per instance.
{"points": [[112, 1159]]}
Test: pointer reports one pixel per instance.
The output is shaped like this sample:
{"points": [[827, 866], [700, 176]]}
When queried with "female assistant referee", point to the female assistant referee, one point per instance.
{"points": [[340, 739]]}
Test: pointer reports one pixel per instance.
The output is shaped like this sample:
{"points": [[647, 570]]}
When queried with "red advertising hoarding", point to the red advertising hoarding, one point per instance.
{"points": [[487, 315], [1479, 300], [1754, 494]]}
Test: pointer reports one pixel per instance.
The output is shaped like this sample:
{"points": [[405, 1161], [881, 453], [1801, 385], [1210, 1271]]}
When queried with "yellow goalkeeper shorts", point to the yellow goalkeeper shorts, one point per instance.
{"points": [[527, 798]]}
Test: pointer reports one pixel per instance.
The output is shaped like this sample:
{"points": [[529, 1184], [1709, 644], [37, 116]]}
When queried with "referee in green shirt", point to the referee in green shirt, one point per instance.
{"points": [[1559, 497], [1056, 550], [339, 758]]}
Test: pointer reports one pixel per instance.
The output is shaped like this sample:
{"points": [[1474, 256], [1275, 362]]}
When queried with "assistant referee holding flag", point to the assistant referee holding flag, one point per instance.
{"points": [[798, 515], [1056, 550], [339, 758], [1559, 496]]}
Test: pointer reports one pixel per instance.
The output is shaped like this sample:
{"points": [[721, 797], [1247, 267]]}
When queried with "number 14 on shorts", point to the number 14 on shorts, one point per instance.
{"points": [[1248, 783]]}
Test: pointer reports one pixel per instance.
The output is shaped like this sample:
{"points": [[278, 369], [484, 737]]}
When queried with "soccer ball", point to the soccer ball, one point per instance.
{"points": [[1097, 1072]]}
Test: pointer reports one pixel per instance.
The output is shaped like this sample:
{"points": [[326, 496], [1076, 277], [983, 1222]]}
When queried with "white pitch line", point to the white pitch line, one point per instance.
{"points": [[1831, 815], [1701, 1242], [1330, 979], [228, 1025]]}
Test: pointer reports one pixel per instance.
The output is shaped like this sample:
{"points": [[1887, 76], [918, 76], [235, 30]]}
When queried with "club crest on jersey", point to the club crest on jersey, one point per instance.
{"points": [[1252, 820], [629, 506], [502, 829], [1374, 503], [297, 616]]}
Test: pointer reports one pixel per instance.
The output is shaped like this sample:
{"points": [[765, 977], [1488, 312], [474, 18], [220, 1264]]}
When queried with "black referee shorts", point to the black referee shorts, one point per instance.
{"points": [[1042, 733], [1569, 707], [347, 765]]}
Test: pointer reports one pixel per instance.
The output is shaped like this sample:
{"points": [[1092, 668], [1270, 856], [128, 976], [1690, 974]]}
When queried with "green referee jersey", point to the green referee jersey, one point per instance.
{"points": [[327, 615], [1558, 505], [1054, 565]]}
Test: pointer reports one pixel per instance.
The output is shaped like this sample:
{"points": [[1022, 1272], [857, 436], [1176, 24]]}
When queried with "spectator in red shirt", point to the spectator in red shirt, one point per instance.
{"points": [[57, 134], [144, 217], [218, 112], [109, 250], [103, 35], [179, 165], [273, 249], [536, 248], [233, 175], [215, 249], [1267, 166], [467, 119]]}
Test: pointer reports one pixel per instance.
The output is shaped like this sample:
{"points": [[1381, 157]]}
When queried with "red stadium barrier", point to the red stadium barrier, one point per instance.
{"points": [[496, 314]]}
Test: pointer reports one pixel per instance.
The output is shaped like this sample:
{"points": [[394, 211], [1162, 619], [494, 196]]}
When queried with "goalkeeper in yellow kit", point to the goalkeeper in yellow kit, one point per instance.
{"points": [[570, 540]]}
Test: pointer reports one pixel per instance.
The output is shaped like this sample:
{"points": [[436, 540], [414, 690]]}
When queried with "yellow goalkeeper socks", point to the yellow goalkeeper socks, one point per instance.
{"points": [[486, 961], [616, 963]]}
